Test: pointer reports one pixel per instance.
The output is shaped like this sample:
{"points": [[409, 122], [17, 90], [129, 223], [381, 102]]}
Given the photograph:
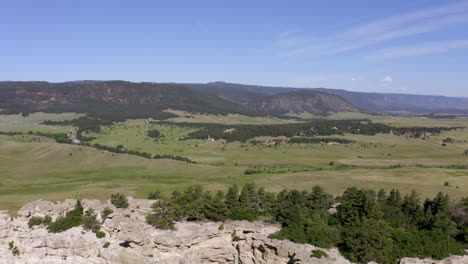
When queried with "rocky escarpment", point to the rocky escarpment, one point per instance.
{"points": [[130, 240]]}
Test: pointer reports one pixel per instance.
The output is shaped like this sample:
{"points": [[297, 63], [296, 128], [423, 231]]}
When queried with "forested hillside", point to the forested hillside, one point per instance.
{"points": [[112, 100]]}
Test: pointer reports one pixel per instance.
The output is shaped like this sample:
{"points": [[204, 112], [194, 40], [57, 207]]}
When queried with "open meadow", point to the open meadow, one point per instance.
{"points": [[34, 167]]}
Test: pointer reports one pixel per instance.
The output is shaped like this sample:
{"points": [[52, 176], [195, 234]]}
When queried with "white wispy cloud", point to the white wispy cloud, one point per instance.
{"points": [[378, 26], [288, 33], [378, 31], [415, 50], [387, 79]]}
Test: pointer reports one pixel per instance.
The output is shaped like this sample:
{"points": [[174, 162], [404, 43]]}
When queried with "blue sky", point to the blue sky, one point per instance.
{"points": [[399, 46]]}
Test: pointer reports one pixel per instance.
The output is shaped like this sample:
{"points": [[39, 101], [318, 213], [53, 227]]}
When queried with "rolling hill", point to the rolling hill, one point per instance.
{"points": [[305, 101]]}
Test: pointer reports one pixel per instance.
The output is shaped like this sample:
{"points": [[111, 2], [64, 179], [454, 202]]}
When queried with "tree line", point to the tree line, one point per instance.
{"points": [[316, 140], [319, 127], [121, 150], [367, 226]]}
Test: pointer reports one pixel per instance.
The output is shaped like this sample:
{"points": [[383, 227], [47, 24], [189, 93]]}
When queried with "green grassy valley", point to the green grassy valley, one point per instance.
{"points": [[36, 167]]}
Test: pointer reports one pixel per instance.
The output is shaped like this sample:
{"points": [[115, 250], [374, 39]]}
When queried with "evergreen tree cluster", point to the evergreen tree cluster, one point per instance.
{"points": [[317, 140], [154, 133], [366, 226], [319, 127]]}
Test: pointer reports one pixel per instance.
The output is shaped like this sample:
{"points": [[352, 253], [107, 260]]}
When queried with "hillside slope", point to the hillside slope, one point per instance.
{"points": [[239, 93], [379, 102], [134, 100], [305, 101]]}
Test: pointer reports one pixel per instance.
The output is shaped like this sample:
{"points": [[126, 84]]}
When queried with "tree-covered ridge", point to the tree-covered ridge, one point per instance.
{"points": [[366, 226], [111, 100], [319, 127]]}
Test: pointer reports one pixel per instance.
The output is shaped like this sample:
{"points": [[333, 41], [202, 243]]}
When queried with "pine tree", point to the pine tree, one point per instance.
{"points": [[214, 207], [232, 198]]}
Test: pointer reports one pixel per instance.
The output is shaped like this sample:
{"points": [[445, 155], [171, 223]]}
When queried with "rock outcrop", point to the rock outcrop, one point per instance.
{"points": [[130, 240]]}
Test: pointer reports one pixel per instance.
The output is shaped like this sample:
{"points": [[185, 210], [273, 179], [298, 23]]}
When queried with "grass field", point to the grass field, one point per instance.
{"points": [[226, 119], [43, 169], [33, 122]]}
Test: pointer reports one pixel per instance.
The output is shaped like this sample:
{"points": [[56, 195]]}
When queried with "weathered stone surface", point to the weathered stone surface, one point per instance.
{"points": [[130, 240], [450, 260]]}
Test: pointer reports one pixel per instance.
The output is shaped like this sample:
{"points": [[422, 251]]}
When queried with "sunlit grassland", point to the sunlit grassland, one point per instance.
{"points": [[32, 170], [224, 119], [337, 116], [33, 122], [40, 170], [381, 149]]}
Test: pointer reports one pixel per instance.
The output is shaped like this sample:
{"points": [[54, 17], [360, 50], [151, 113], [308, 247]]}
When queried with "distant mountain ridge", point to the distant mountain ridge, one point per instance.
{"points": [[380, 102], [116, 100], [388, 102]]}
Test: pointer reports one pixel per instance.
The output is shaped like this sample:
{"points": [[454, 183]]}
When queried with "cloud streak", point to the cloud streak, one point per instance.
{"points": [[379, 31], [416, 50]]}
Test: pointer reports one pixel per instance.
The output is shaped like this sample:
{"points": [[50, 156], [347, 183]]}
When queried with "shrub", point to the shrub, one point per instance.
{"points": [[37, 220], [317, 253], [105, 213], [119, 200], [235, 238], [71, 219], [252, 171], [331, 163], [14, 250], [90, 221], [100, 234], [155, 195], [106, 245]]}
